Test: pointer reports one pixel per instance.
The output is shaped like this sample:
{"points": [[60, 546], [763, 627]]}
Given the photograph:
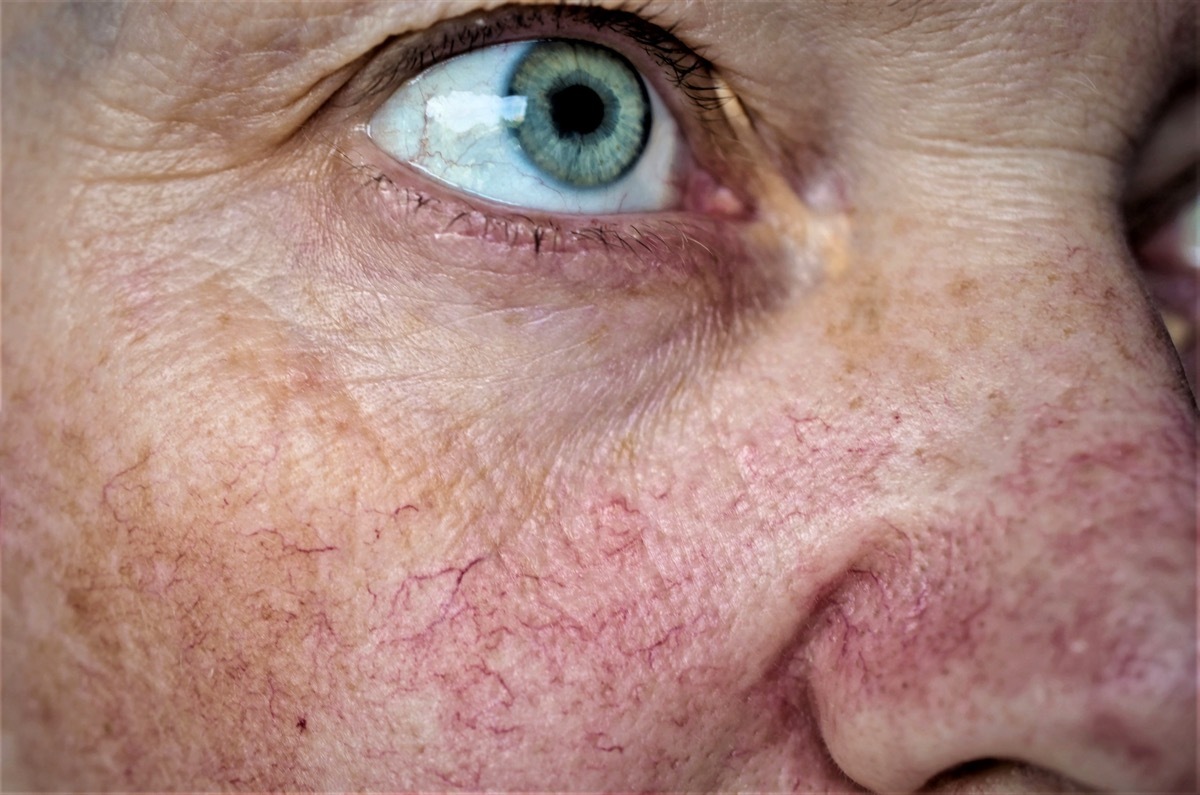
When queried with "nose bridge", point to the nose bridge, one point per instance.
{"points": [[1039, 609]]}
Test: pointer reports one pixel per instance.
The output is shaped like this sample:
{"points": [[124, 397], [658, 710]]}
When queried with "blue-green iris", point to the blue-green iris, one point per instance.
{"points": [[587, 113]]}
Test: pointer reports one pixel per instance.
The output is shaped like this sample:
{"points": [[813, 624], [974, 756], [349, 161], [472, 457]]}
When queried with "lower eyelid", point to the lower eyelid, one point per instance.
{"points": [[403, 209]]}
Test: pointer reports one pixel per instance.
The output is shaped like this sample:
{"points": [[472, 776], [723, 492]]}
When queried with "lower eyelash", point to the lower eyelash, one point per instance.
{"points": [[545, 238], [671, 249], [516, 231]]}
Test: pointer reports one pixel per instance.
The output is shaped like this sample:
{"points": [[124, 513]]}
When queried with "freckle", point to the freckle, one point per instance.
{"points": [[1123, 349], [999, 405], [626, 448], [78, 603], [964, 290], [924, 366]]}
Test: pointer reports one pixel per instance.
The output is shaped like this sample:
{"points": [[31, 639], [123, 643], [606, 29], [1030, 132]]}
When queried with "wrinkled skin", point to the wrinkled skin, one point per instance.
{"points": [[305, 487]]}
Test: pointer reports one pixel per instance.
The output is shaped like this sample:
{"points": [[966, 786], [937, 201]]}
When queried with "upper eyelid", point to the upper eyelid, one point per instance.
{"points": [[402, 58]]}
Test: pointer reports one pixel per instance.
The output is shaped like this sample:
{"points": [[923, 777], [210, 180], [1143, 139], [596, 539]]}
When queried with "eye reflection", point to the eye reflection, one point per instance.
{"points": [[1162, 216], [587, 116], [558, 125], [1170, 262]]}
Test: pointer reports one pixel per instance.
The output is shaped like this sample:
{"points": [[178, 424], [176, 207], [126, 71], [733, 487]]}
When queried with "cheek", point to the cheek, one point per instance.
{"points": [[670, 599], [235, 532], [285, 550], [190, 519]]}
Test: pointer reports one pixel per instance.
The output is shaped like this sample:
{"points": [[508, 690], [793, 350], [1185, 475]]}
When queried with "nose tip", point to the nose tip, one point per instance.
{"points": [[1053, 630]]}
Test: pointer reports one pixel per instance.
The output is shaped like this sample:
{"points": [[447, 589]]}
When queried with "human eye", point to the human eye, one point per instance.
{"points": [[557, 124], [1162, 210], [561, 121]]}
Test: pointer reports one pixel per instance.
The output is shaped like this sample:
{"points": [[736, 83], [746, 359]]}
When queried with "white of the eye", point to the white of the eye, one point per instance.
{"points": [[460, 111], [1191, 233], [452, 122]]}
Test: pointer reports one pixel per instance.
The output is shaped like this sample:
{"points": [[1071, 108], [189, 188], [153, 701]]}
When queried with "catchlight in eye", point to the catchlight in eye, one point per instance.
{"points": [[588, 114], [558, 125]]}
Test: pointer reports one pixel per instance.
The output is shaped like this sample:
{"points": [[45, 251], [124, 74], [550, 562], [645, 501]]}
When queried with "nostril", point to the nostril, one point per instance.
{"points": [[997, 776], [950, 779]]}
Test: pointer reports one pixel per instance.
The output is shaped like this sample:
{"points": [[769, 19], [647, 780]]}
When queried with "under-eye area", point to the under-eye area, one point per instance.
{"points": [[677, 251]]}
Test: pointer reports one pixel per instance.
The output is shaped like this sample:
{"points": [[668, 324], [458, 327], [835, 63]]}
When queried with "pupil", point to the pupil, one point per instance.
{"points": [[576, 109]]}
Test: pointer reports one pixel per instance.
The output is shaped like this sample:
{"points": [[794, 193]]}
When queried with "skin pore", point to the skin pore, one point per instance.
{"points": [[872, 468]]}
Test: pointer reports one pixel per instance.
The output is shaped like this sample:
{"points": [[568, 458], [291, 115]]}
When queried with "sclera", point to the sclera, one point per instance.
{"points": [[453, 121]]}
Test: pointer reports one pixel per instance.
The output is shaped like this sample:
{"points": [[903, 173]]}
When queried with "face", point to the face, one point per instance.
{"points": [[835, 444]]}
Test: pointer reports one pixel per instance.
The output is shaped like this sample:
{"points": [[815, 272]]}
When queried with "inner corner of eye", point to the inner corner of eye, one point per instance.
{"points": [[557, 125]]}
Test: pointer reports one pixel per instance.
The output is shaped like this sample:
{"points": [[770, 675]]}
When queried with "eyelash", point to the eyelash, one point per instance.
{"points": [[672, 237], [656, 237], [688, 72]]}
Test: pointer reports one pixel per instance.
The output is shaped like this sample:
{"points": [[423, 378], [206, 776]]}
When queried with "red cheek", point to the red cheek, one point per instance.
{"points": [[663, 618]]}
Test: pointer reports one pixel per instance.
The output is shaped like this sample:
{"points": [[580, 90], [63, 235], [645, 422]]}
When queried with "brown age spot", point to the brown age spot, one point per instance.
{"points": [[999, 405], [964, 290], [855, 305], [867, 304]]}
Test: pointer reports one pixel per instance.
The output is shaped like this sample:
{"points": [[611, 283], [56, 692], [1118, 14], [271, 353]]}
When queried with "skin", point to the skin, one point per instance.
{"points": [[306, 487]]}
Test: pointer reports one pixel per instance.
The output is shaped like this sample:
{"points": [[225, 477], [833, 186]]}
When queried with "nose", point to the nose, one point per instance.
{"points": [[1036, 623]]}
